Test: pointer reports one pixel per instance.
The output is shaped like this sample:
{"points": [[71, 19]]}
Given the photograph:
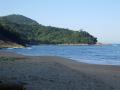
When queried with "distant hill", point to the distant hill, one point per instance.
{"points": [[23, 30], [19, 19]]}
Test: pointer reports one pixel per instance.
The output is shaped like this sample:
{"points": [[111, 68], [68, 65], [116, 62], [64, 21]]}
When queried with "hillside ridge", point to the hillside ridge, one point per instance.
{"points": [[23, 30]]}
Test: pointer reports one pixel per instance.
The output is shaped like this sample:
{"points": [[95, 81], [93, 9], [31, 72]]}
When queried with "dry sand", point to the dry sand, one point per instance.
{"points": [[55, 73]]}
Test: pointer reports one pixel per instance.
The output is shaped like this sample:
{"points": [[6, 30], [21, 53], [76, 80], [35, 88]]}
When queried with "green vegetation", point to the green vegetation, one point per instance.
{"points": [[7, 59], [23, 30]]}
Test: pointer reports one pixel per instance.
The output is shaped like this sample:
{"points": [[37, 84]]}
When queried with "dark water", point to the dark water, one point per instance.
{"points": [[105, 54]]}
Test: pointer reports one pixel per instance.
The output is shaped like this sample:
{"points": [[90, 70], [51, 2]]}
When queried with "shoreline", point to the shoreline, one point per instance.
{"points": [[69, 59], [13, 54], [56, 72], [21, 46]]}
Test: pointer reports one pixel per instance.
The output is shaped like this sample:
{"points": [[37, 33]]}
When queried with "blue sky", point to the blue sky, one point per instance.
{"points": [[98, 17]]}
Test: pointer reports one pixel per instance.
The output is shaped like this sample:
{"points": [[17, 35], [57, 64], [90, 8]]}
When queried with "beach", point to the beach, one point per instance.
{"points": [[55, 73]]}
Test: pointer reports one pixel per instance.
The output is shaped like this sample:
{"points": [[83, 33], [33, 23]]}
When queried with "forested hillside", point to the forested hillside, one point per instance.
{"points": [[23, 30]]}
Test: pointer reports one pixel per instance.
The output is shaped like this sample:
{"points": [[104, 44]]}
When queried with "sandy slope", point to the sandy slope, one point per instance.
{"points": [[56, 73], [8, 44]]}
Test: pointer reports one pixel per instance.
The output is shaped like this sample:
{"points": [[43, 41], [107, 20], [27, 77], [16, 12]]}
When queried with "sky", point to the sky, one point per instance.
{"points": [[100, 18]]}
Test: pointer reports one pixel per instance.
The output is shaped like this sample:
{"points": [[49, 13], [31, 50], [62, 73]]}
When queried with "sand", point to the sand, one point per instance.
{"points": [[55, 73]]}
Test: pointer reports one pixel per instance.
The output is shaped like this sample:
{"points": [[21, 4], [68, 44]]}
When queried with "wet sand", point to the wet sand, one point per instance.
{"points": [[55, 73]]}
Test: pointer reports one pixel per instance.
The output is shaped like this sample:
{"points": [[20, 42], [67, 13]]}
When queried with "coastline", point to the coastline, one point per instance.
{"points": [[56, 72], [20, 46], [15, 45]]}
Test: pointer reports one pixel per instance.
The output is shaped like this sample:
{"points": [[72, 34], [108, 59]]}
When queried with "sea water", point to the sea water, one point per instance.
{"points": [[93, 54]]}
